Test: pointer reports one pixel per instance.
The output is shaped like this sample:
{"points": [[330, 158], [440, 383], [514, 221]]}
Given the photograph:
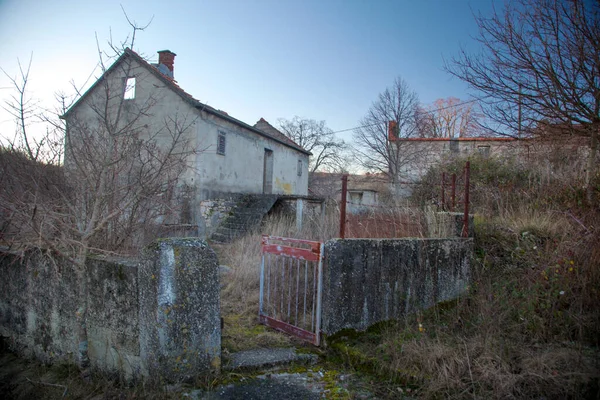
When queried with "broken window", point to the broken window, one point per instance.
{"points": [[221, 144], [129, 93], [484, 150], [356, 198], [299, 167]]}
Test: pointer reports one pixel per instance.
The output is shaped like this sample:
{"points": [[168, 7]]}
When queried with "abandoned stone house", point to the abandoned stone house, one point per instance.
{"points": [[364, 192], [423, 153], [232, 161], [546, 151]]}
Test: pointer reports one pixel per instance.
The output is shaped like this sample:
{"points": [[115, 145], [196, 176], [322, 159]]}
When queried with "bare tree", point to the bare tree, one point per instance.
{"points": [[314, 136], [26, 111], [540, 63], [121, 179], [392, 116], [448, 118]]}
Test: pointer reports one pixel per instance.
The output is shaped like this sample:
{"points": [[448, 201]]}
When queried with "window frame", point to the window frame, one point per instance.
{"points": [[221, 143], [129, 88], [484, 150]]}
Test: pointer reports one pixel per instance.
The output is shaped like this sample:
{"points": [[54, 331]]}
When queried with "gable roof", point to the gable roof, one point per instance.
{"points": [[171, 84], [266, 127]]}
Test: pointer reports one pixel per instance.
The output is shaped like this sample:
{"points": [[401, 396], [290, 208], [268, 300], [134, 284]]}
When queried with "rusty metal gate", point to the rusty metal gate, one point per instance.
{"points": [[291, 281]]}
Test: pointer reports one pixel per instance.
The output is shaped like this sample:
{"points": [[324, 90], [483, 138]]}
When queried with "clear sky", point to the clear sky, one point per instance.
{"points": [[325, 60]]}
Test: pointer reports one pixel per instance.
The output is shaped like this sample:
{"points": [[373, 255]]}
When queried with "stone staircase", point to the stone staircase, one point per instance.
{"points": [[244, 216]]}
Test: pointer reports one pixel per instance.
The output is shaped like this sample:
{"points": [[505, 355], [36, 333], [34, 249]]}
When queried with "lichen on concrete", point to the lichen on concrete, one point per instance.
{"points": [[180, 327], [371, 280], [159, 317]]}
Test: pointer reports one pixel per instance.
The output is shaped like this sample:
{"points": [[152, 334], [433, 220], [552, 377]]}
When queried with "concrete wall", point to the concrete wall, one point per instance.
{"points": [[159, 317], [366, 281], [214, 211]]}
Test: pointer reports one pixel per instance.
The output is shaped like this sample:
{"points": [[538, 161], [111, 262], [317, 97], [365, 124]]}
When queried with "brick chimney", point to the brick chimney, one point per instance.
{"points": [[393, 131], [167, 58]]}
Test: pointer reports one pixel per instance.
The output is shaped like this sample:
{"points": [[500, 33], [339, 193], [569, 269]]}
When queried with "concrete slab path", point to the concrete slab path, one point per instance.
{"points": [[264, 358]]}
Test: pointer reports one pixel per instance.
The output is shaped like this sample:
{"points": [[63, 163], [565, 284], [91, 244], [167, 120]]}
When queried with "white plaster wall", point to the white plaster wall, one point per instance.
{"points": [[241, 168], [156, 111]]}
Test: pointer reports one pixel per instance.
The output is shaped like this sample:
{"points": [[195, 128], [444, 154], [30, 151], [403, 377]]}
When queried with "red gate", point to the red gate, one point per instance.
{"points": [[291, 280]]}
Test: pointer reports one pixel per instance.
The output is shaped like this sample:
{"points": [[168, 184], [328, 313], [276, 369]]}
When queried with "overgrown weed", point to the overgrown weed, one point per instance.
{"points": [[529, 326], [240, 285]]}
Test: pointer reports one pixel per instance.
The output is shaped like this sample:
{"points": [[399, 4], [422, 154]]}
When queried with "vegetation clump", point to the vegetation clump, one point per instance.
{"points": [[529, 325]]}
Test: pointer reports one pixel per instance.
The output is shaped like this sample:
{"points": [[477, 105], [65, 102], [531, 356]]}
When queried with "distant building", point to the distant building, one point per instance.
{"points": [[545, 150], [364, 192]]}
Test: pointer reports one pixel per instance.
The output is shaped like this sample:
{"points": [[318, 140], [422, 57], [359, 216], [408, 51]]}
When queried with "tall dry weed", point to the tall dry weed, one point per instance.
{"points": [[243, 256], [529, 326]]}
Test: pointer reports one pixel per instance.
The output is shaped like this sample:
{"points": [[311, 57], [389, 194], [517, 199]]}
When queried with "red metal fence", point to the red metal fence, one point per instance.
{"points": [[465, 177], [387, 221]]}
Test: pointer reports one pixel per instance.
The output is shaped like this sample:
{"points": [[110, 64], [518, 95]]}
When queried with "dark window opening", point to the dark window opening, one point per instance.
{"points": [[484, 150], [221, 144]]}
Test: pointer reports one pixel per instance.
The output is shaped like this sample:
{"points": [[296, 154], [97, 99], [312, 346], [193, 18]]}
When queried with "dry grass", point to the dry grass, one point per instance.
{"points": [[240, 286], [22, 379], [391, 223], [530, 324], [544, 223], [455, 367], [528, 328]]}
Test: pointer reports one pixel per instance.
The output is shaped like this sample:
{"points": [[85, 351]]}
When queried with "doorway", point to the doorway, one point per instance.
{"points": [[268, 172]]}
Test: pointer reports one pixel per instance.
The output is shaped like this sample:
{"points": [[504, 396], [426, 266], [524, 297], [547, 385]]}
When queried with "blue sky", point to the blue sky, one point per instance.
{"points": [[325, 60]]}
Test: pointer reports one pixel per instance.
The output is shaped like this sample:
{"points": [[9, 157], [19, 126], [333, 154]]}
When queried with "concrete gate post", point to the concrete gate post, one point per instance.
{"points": [[299, 214], [179, 317]]}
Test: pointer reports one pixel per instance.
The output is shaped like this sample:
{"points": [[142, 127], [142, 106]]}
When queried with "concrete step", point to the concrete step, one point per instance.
{"points": [[247, 214], [267, 358]]}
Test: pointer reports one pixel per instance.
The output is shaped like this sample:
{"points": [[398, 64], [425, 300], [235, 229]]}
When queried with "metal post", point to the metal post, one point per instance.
{"points": [[343, 206], [443, 191], [319, 294], [465, 232], [262, 285], [299, 214], [453, 192]]}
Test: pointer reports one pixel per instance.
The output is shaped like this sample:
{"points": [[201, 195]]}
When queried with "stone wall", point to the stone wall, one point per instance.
{"points": [[158, 317], [214, 211], [366, 281]]}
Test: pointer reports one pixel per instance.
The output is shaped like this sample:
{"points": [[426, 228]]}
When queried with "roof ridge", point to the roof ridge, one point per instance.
{"points": [[186, 97], [277, 131]]}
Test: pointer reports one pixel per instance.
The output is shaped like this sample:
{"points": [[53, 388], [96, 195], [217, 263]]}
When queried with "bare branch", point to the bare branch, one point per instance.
{"points": [[539, 70], [314, 136], [397, 104]]}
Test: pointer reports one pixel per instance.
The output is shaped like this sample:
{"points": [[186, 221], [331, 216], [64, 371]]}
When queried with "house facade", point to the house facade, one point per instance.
{"points": [[225, 157], [546, 153], [364, 193], [426, 152]]}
